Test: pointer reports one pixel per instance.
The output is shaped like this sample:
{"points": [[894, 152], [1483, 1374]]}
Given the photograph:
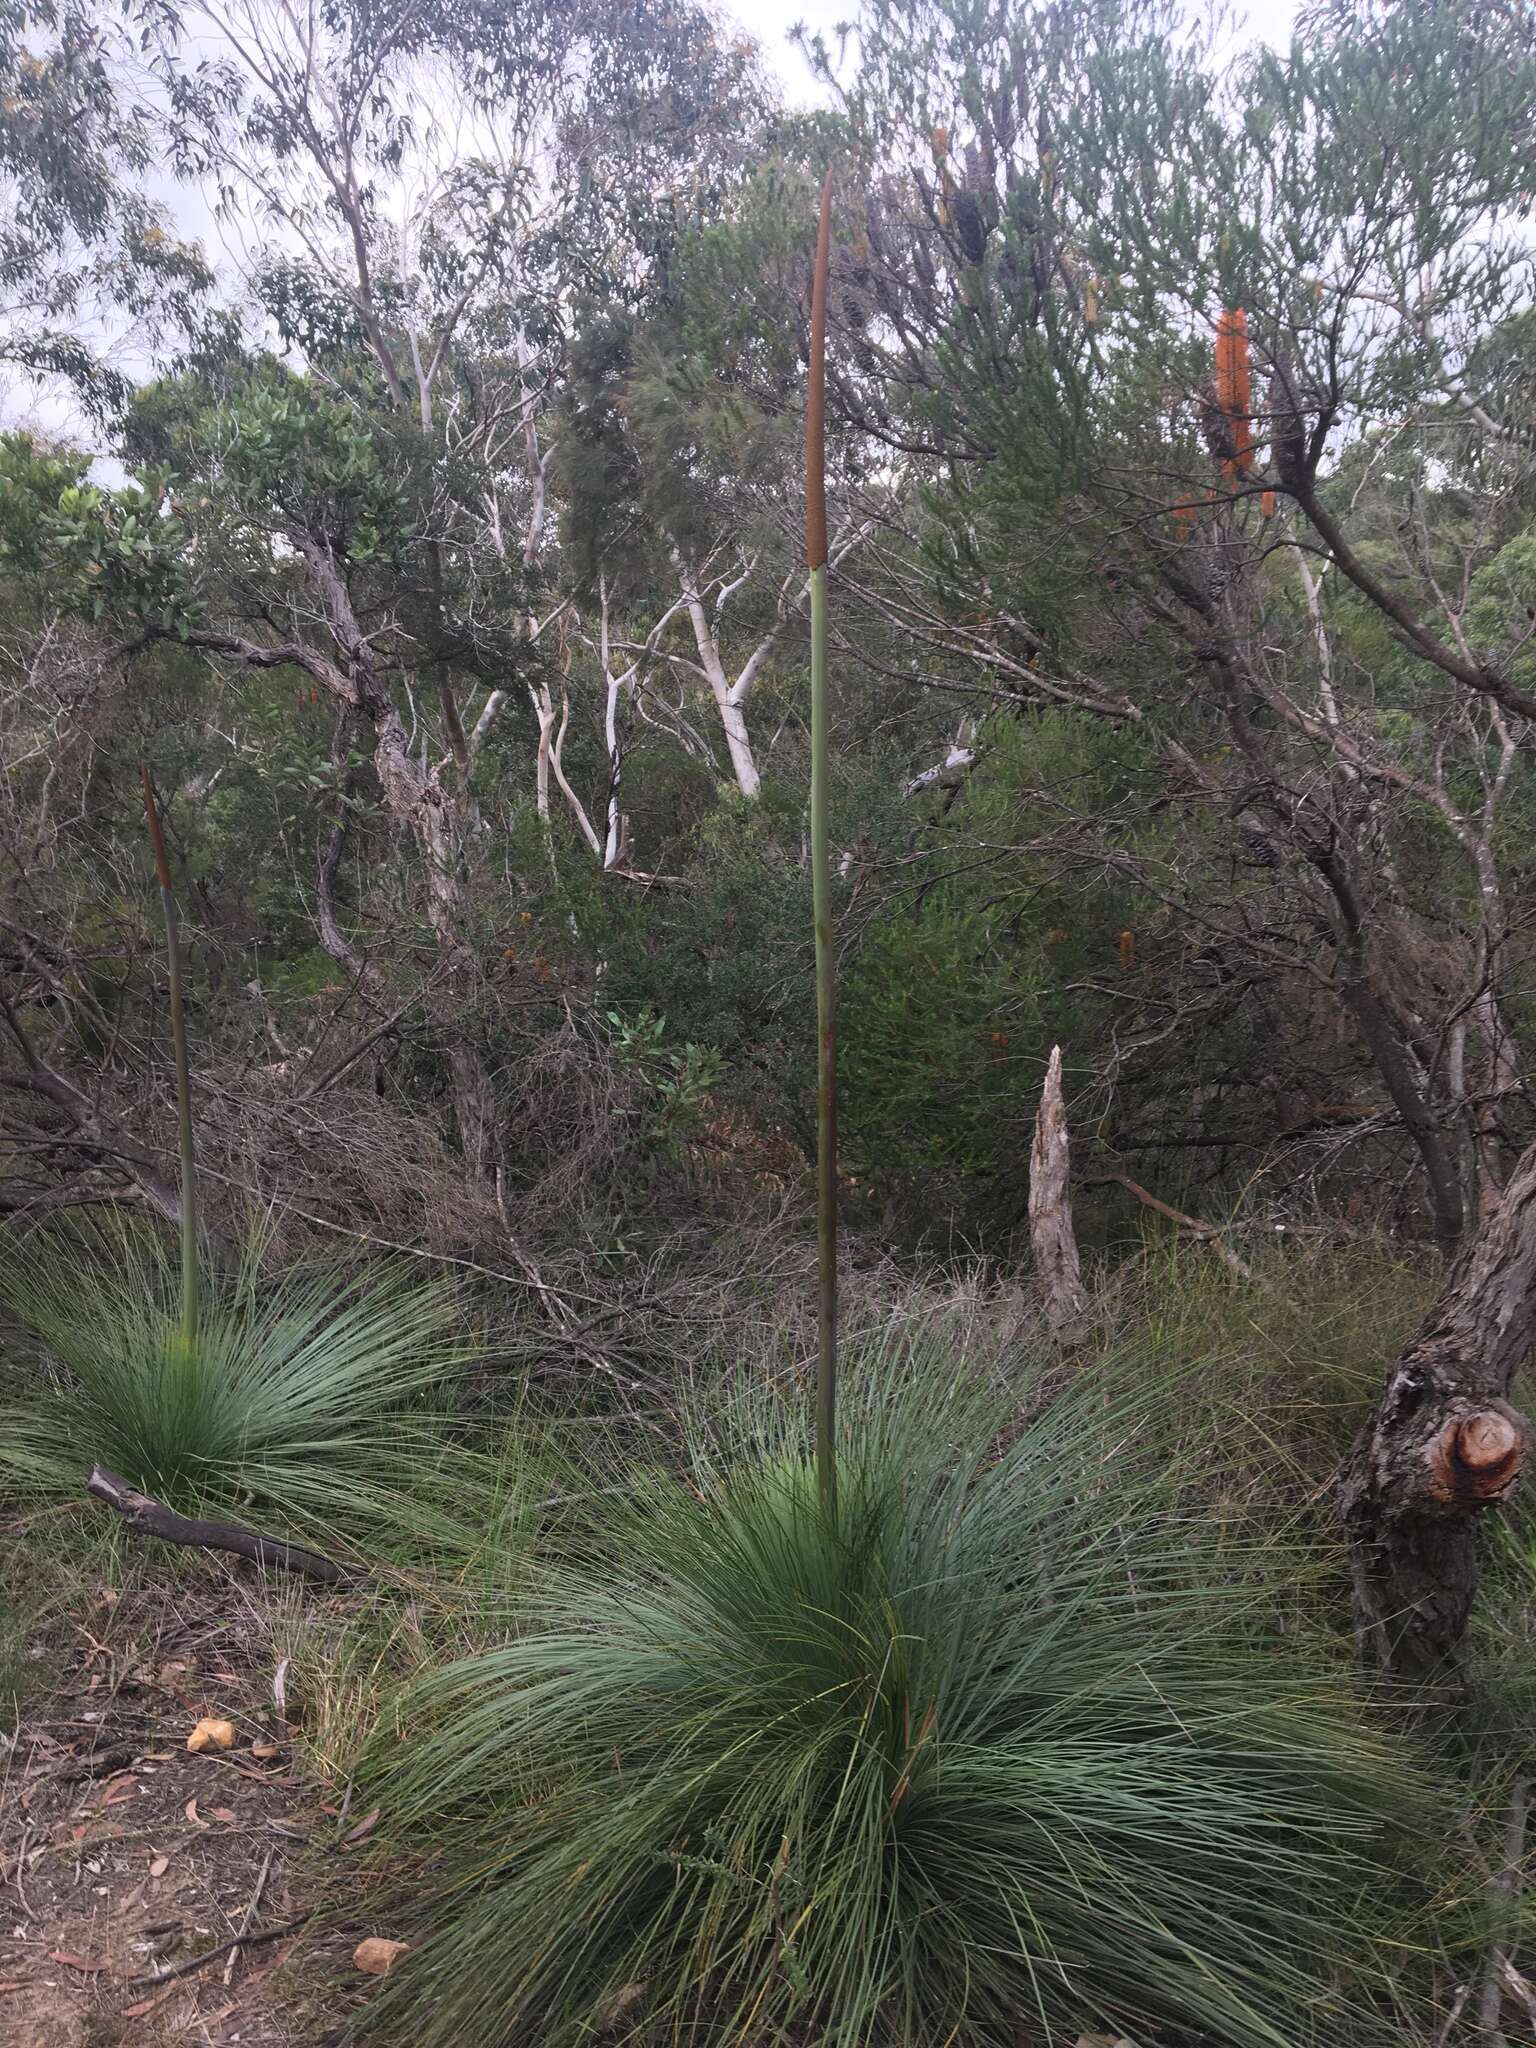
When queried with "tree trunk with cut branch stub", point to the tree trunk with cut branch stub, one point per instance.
{"points": [[1050, 1207], [1443, 1443]]}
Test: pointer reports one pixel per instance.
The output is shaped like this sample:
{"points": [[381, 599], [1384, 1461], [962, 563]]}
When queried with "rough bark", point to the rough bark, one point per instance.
{"points": [[1057, 1265], [1443, 1443]]}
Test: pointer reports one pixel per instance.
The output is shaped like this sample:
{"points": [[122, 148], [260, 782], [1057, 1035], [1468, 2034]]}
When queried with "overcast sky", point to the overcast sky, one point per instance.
{"points": [[768, 20]]}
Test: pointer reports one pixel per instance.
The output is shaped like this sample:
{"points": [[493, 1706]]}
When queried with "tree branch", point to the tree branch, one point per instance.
{"points": [[153, 1518]]}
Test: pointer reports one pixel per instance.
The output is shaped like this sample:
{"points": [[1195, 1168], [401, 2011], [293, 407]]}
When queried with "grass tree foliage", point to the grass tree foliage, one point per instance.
{"points": [[312, 1397], [1007, 1741]]}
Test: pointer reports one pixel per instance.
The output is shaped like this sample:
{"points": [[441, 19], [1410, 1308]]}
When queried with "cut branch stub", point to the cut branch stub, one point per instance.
{"points": [[1443, 1443], [1473, 1461]]}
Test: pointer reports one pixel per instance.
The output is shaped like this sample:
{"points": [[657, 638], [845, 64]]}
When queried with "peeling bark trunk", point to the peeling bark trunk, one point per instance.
{"points": [[1050, 1208], [1442, 1443]]}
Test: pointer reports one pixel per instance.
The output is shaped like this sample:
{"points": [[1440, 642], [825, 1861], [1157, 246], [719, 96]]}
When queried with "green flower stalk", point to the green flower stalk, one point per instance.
{"points": [[821, 877], [188, 1197]]}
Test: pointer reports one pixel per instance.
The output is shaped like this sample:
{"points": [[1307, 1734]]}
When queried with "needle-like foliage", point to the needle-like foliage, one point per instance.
{"points": [[312, 1392], [1003, 1750]]}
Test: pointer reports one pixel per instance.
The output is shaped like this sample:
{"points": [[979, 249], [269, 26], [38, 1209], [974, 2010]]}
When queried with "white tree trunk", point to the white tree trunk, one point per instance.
{"points": [[731, 703]]}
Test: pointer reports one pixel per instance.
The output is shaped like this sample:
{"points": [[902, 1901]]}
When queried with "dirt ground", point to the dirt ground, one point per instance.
{"points": [[128, 1863]]}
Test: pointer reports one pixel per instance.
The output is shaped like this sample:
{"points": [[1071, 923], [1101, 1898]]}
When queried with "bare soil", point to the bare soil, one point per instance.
{"points": [[124, 1857]]}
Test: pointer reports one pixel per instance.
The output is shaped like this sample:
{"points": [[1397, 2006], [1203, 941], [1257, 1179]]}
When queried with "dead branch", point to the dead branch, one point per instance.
{"points": [[1505, 1888], [154, 1518], [1207, 1231], [252, 1907], [211, 1955], [1051, 1235]]}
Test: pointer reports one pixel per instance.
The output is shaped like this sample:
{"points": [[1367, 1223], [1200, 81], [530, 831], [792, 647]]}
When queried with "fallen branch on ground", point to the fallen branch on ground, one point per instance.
{"points": [[154, 1518], [249, 1914], [1505, 1889], [211, 1955]]}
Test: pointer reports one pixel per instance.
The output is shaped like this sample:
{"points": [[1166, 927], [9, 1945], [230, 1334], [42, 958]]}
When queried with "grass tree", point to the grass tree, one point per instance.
{"points": [[306, 1390], [895, 1740], [1008, 1746], [308, 1401]]}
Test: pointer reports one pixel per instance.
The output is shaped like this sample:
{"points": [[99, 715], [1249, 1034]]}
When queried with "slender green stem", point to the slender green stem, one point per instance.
{"points": [[826, 1056], [821, 880], [188, 1198]]}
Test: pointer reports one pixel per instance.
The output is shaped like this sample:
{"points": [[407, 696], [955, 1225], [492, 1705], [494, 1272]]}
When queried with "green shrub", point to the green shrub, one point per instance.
{"points": [[1009, 1750]]}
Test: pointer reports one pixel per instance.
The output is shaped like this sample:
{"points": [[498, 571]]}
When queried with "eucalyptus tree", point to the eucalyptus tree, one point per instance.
{"points": [[90, 265], [417, 195], [680, 464]]}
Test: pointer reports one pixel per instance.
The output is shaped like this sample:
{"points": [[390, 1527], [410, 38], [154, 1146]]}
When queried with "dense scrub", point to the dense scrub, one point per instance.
{"points": [[433, 570]]}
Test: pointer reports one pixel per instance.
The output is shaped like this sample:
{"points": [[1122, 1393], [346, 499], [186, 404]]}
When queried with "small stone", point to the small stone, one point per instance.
{"points": [[210, 1731], [376, 1957]]}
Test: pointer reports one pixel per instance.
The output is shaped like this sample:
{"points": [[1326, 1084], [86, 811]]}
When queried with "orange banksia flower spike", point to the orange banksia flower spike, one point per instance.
{"points": [[1234, 389]]}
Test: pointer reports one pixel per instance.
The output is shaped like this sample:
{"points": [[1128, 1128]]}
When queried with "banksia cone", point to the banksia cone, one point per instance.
{"points": [[1288, 426], [1234, 389]]}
